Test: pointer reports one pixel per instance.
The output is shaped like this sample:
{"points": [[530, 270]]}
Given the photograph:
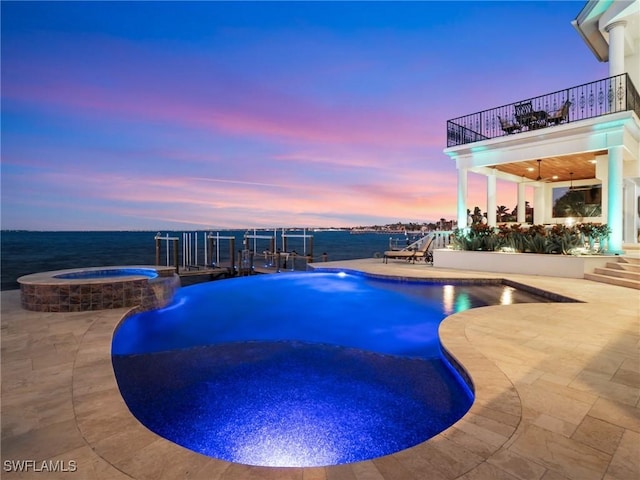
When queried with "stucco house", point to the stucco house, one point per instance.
{"points": [[582, 142]]}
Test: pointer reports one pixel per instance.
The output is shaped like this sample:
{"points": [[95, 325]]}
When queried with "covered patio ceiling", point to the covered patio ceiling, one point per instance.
{"points": [[579, 166]]}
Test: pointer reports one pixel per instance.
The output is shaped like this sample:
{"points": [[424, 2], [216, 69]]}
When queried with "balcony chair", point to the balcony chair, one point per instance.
{"points": [[560, 115], [524, 113], [509, 127], [527, 116]]}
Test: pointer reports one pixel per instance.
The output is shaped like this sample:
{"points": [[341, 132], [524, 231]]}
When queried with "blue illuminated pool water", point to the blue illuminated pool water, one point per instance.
{"points": [[298, 369], [108, 273]]}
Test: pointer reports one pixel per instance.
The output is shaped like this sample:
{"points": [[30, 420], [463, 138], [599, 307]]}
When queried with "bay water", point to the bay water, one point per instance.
{"points": [[26, 252]]}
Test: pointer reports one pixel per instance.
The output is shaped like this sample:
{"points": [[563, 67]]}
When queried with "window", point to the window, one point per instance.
{"points": [[583, 201]]}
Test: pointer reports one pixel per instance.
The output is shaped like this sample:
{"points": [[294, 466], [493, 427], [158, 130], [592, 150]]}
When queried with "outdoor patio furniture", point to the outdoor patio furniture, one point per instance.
{"points": [[412, 255], [524, 113], [527, 116], [509, 127], [560, 115]]}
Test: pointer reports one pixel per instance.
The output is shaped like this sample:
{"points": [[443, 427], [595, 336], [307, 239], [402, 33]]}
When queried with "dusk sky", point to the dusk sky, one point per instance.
{"points": [[209, 115]]}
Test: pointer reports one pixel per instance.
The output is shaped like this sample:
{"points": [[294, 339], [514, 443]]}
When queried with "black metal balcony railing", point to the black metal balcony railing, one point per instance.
{"points": [[603, 97]]}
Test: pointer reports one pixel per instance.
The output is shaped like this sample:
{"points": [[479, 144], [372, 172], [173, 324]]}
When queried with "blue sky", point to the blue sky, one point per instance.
{"points": [[163, 115]]}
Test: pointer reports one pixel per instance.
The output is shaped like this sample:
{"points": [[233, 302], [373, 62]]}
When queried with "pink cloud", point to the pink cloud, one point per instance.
{"points": [[194, 201], [314, 160]]}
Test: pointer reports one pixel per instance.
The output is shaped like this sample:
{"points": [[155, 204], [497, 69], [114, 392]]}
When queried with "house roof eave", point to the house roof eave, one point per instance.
{"points": [[587, 26]]}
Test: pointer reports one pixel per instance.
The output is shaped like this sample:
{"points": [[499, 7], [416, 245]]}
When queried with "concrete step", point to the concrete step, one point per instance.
{"points": [[621, 282], [631, 252], [631, 259], [622, 265], [617, 272], [624, 272]]}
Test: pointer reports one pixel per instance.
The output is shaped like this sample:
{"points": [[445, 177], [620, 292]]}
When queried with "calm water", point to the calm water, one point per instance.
{"points": [[23, 253]]}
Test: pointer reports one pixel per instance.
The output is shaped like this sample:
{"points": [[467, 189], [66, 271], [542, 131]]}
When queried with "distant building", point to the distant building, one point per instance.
{"points": [[579, 148]]}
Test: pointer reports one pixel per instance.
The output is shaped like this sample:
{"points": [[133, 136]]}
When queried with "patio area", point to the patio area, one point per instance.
{"points": [[557, 395]]}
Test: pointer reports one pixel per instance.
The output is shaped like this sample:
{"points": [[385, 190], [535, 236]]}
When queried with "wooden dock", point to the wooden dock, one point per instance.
{"points": [[193, 274]]}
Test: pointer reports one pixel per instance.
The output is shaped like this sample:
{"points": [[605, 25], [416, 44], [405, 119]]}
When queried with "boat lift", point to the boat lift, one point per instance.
{"points": [[191, 258], [273, 256]]}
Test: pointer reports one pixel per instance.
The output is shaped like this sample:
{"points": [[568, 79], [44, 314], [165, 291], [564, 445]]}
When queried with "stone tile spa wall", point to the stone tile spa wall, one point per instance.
{"points": [[45, 293]]}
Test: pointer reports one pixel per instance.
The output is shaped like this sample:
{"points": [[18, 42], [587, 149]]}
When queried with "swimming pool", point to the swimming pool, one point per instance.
{"points": [[305, 369]]}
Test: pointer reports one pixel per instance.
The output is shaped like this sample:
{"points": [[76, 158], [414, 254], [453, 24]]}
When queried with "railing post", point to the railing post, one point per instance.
{"points": [[176, 260], [158, 249], [209, 261], [232, 254]]}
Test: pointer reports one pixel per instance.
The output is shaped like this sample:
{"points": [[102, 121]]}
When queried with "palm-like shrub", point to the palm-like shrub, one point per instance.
{"points": [[560, 239], [535, 239], [477, 237], [511, 238], [594, 232], [563, 239]]}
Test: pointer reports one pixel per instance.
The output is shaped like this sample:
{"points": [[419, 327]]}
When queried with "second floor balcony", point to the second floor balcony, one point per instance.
{"points": [[595, 99]]}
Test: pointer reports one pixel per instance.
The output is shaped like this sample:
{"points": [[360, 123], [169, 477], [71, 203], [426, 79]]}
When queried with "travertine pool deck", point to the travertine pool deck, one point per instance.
{"points": [[557, 395]]}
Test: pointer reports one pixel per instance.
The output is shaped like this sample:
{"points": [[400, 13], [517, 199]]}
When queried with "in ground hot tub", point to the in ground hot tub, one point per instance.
{"points": [[98, 288]]}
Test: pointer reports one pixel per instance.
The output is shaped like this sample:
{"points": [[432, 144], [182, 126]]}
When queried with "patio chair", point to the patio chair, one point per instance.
{"points": [[412, 255], [527, 116], [560, 115], [509, 127], [524, 113]]}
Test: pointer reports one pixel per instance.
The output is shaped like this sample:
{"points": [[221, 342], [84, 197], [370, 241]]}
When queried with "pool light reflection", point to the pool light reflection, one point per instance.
{"points": [[298, 440], [463, 302], [506, 298], [448, 296]]}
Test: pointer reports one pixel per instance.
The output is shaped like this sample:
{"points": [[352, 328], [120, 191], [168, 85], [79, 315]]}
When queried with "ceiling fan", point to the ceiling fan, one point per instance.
{"points": [[539, 178], [581, 188]]}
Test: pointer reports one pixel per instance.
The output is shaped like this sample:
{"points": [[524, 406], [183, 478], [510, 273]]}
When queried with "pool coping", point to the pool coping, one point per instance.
{"points": [[54, 277], [488, 442]]}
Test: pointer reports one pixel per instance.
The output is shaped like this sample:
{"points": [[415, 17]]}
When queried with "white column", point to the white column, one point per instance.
{"points": [[631, 213], [616, 47], [462, 197], [491, 200], [602, 174], [540, 205], [614, 197], [522, 209]]}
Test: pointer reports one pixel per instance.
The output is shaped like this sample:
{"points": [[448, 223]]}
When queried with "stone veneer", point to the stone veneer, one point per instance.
{"points": [[43, 292]]}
